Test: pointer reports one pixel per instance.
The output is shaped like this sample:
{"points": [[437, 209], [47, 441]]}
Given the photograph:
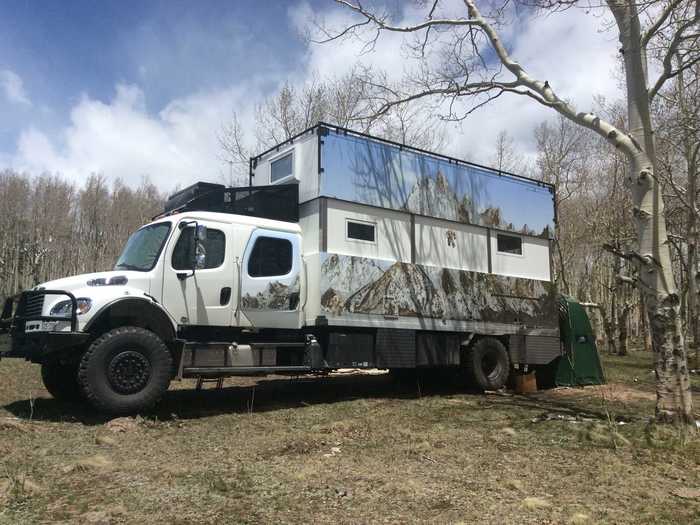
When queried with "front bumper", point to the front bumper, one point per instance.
{"points": [[35, 345]]}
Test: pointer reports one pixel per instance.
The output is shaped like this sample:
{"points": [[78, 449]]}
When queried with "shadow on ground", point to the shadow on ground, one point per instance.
{"points": [[275, 393]]}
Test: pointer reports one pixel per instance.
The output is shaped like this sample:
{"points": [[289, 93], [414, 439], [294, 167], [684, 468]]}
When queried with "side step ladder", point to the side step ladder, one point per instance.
{"points": [[218, 380]]}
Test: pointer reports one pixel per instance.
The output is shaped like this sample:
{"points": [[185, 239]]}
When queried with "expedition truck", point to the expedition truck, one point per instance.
{"points": [[344, 251]]}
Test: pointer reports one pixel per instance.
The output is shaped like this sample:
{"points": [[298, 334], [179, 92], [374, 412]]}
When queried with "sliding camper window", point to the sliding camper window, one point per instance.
{"points": [[360, 231], [509, 244], [214, 246], [281, 168], [270, 257]]}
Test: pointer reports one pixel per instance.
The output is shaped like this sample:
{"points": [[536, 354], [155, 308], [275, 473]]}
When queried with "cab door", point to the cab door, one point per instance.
{"points": [[271, 279], [201, 297]]}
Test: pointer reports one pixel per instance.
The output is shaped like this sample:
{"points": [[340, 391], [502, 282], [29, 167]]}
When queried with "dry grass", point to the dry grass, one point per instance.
{"points": [[348, 449]]}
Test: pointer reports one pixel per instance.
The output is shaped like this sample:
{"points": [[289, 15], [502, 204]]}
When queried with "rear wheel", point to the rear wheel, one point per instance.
{"points": [[125, 371], [61, 379], [487, 364]]}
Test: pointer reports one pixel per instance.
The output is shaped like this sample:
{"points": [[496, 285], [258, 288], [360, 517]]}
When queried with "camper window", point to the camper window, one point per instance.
{"points": [[214, 245], [509, 244], [360, 231], [270, 257], [281, 168]]}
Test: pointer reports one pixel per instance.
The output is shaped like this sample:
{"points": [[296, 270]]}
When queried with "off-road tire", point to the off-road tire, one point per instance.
{"points": [[60, 378], [125, 371], [487, 364]]}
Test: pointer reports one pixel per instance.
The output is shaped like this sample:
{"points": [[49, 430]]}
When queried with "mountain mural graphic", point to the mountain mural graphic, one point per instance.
{"points": [[434, 197], [419, 291], [404, 289], [393, 177], [276, 296]]}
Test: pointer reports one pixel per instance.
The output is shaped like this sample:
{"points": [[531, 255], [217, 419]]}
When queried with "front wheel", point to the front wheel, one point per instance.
{"points": [[61, 379], [125, 371]]}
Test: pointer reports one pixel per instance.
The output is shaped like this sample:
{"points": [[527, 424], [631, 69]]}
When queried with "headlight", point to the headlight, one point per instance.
{"points": [[65, 308]]}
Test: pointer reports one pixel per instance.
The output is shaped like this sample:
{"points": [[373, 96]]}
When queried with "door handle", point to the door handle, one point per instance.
{"points": [[225, 295]]}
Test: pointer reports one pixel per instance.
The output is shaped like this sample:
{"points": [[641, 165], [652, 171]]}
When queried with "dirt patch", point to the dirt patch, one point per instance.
{"points": [[611, 392], [122, 424]]}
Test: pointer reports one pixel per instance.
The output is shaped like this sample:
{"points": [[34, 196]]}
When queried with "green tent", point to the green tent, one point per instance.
{"points": [[580, 364]]}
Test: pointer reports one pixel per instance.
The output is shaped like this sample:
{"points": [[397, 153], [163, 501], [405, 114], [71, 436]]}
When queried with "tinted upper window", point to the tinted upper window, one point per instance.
{"points": [[509, 244], [214, 247], [360, 231], [270, 256], [281, 168]]}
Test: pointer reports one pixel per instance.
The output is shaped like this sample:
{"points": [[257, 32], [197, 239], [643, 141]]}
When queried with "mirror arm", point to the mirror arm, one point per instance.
{"points": [[184, 224]]}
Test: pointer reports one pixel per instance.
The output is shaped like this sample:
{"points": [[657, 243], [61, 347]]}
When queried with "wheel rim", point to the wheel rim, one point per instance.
{"points": [[129, 372]]}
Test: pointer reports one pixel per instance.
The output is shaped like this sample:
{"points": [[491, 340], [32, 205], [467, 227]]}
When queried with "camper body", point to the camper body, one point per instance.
{"points": [[345, 251]]}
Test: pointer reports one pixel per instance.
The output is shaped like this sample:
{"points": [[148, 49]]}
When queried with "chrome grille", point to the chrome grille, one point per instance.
{"points": [[34, 305]]}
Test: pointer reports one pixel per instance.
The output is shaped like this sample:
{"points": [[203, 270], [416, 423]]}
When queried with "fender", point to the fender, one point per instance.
{"points": [[134, 311]]}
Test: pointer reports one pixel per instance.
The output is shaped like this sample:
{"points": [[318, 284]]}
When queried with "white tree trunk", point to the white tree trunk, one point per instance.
{"points": [[673, 396]]}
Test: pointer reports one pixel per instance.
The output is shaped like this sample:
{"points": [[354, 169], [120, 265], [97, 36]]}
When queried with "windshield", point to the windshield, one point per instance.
{"points": [[143, 248]]}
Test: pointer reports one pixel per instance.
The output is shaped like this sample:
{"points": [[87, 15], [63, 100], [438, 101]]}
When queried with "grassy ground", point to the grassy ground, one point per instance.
{"points": [[349, 449]]}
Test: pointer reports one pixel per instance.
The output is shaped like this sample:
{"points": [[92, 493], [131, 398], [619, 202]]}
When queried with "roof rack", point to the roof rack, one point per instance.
{"points": [[278, 202]]}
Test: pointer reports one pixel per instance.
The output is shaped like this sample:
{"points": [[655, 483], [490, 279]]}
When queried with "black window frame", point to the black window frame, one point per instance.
{"points": [[361, 223], [288, 176], [183, 231], [509, 236], [256, 274]]}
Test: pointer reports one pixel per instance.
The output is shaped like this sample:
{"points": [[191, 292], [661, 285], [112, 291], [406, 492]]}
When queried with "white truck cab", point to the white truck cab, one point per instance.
{"points": [[201, 269], [188, 281]]}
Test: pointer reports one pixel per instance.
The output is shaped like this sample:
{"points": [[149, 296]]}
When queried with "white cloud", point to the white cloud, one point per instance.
{"points": [[13, 88], [120, 138], [569, 49]]}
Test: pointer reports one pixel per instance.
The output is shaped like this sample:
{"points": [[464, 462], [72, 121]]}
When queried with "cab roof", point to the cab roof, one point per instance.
{"points": [[231, 218]]}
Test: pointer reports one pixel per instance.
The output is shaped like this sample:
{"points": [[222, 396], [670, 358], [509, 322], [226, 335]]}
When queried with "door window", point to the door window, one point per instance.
{"points": [[214, 246], [270, 257]]}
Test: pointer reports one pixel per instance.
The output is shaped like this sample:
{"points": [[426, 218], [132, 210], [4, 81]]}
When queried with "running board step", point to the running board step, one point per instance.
{"points": [[222, 358]]}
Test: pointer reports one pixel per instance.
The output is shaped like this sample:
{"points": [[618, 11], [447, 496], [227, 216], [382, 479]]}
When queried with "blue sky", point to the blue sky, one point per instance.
{"points": [[65, 50], [131, 89]]}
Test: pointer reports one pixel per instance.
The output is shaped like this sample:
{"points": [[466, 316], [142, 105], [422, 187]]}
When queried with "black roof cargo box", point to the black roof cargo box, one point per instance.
{"points": [[182, 197], [279, 202]]}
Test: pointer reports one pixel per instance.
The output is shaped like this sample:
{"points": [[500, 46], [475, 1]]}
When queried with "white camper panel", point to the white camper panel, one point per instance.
{"points": [[438, 243], [301, 156], [532, 263], [452, 245], [392, 231], [310, 226]]}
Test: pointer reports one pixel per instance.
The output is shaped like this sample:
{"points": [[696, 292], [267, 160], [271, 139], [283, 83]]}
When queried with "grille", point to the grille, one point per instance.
{"points": [[34, 305]]}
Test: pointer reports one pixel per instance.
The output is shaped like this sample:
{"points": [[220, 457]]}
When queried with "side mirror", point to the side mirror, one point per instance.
{"points": [[200, 251]]}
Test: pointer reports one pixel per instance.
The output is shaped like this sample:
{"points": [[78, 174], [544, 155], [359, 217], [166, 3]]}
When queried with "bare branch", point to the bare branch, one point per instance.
{"points": [[659, 22]]}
